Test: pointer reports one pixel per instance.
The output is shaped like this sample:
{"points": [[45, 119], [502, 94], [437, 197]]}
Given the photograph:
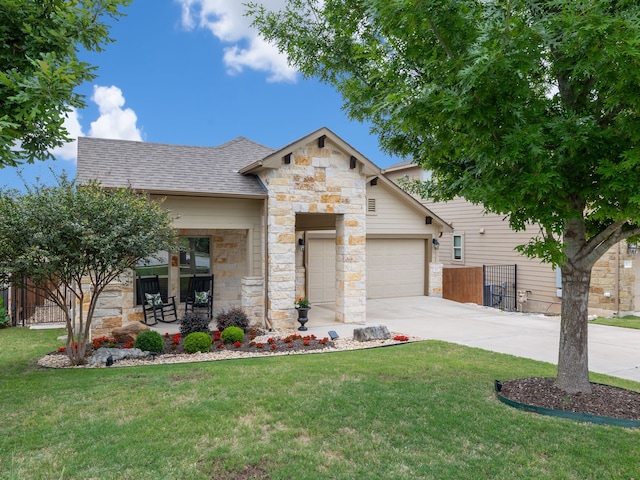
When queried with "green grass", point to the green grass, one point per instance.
{"points": [[424, 410], [629, 321]]}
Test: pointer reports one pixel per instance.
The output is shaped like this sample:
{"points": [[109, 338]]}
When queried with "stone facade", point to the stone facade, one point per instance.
{"points": [[613, 282], [318, 180], [435, 280], [117, 307]]}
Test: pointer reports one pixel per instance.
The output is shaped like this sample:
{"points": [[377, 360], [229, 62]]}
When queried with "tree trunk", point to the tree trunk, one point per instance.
{"points": [[573, 359]]}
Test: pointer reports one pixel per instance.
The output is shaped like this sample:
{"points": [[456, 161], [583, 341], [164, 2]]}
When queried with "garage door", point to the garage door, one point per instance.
{"points": [[395, 268]]}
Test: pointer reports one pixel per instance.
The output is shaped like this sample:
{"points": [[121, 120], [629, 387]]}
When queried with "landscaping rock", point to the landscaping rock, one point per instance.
{"points": [[375, 332], [129, 333], [101, 355]]}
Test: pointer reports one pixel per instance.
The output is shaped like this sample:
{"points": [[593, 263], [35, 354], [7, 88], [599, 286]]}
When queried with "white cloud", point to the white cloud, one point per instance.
{"points": [[69, 150], [226, 21], [114, 121]]}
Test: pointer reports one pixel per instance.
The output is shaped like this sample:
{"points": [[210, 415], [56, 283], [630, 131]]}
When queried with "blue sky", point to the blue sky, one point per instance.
{"points": [[193, 72]]}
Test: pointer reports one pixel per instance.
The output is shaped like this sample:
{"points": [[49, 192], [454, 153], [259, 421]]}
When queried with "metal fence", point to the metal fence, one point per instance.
{"points": [[30, 306], [500, 286]]}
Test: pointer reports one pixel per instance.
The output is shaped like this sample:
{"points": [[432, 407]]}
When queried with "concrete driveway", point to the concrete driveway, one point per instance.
{"points": [[612, 350]]}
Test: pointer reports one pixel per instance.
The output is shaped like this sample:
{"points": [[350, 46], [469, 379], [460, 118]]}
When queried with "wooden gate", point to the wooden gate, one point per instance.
{"points": [[462, 284]]}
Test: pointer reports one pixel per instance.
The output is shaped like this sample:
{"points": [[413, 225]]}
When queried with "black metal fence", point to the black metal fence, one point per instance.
{"points": [[500, 286]]}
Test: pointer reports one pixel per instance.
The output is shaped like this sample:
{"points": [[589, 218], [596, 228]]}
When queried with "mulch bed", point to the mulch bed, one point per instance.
{"points": [[604, 400]]}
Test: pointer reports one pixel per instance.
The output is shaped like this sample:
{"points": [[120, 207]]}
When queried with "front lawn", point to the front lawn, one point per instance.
{"points": [[423, 410], [628, 321]]}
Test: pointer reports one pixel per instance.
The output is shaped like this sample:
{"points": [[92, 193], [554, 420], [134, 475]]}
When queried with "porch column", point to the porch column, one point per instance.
{"points": [[281, 272], [351, 264]]}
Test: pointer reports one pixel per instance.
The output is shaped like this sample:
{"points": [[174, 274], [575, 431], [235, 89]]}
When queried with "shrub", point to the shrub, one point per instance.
{"points": [[197, 342], [232, 335], [192, 322], [150, 341], [234, 317], [4, 318]]}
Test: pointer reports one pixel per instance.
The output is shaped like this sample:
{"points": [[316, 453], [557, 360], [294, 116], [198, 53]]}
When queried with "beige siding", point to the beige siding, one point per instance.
{"points": [[495, 246], [223, 213], [488, 240], [203, 212], [392, 217]]}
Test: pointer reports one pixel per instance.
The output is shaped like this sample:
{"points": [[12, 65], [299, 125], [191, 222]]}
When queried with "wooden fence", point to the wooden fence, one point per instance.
{"points": [[463, 284]]}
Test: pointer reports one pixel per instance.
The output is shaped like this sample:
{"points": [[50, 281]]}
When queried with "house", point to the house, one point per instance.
{"points": [[483, 239], [314, 218]]}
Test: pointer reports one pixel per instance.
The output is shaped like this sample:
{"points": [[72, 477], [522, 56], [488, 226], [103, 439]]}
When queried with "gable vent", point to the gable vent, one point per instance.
{"points": [[371, 205]]}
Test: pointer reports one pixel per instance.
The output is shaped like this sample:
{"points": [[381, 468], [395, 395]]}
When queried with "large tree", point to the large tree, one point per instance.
{"points": [[73, 240], [530, 108], [40, 70]]}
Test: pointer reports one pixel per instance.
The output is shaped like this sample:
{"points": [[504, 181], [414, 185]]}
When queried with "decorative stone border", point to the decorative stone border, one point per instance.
{"points": [[578, 417]]}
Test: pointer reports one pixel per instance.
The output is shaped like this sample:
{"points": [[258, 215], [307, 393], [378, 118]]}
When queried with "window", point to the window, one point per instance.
{"points": [[195, 259], [154, 266], [457, 248]]}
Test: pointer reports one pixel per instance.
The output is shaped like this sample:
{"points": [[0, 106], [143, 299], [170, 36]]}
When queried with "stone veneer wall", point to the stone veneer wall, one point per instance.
{"points": [[609, 278], [253, 300], [435, 280], [317, 181], [116, 306]]}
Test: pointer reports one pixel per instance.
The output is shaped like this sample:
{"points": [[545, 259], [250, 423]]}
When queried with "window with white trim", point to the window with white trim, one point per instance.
{"points": [[458, 248]]}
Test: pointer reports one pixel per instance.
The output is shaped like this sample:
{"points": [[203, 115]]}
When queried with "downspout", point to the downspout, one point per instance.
{"points": [[265, 266]]}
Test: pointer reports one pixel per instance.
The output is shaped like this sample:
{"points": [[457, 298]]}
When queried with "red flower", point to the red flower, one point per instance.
{"points": [[237, 344], [220, 345], [129, 344], [176, 338], [401, 338], [62, 349], [271, 340], [273, 346], [216, 335], [259, 344], [289, 345], [306, 343]]}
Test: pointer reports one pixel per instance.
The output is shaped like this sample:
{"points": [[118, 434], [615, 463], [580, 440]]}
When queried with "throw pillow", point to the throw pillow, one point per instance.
{"points": [[202, 297], [153, 299]]}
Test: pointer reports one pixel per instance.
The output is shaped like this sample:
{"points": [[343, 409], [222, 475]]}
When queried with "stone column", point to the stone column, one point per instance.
{"points": [[435, 280], [351, 288], [253, 300]]}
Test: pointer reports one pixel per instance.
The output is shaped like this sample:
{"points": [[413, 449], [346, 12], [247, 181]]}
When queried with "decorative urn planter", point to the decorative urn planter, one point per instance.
{"points": [[302, 317]]}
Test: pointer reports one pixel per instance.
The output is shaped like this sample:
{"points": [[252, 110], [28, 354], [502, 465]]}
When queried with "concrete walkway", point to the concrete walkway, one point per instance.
{"points": [[612, 350]]}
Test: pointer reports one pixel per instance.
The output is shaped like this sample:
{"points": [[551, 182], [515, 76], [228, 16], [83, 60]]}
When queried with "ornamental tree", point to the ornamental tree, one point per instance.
{"points": [[72, 240], [40, 69], [530, 108]]}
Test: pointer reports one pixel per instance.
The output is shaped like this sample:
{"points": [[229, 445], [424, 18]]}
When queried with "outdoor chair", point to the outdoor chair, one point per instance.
{"points": [[154, 305], [200, 294]]}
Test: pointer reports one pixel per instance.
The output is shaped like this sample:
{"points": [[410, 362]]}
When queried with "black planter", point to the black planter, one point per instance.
{"points": [[302, 317]]}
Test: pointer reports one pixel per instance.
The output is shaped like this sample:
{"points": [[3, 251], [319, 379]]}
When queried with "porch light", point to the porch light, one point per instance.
{"points": [[436, 243], [633, 249]]}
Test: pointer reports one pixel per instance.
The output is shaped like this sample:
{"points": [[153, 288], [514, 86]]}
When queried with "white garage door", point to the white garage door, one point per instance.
{"points": [[395, 268]]}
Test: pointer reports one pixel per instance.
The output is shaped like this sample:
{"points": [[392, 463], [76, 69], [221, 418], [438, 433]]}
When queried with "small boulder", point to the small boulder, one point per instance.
{"points": [[129, 333], [110, 355], [375, 332]]}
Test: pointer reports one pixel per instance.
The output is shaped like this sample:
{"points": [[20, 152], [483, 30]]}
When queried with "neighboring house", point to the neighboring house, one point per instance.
{"points": [[314, 218], [479, 239]]}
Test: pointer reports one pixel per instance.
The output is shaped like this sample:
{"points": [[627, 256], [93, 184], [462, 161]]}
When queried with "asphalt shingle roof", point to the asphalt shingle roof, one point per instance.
{"points": [[162, 168]]}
